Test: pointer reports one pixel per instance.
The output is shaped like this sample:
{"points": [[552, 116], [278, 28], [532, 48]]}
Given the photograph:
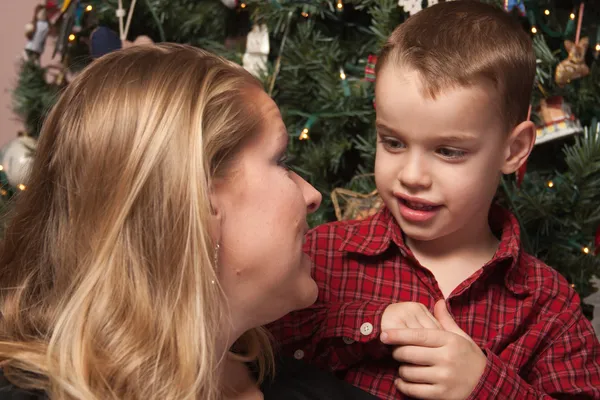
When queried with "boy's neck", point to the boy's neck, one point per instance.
{"points": [[474, 241]]}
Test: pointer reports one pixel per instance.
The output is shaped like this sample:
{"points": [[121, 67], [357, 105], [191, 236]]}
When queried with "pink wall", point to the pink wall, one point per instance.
{"points": [[13, 17]]}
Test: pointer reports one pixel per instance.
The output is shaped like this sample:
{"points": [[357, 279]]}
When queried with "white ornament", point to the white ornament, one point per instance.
{"points": [[257, 50], [414, 6], [230, 3], [17, 159]]}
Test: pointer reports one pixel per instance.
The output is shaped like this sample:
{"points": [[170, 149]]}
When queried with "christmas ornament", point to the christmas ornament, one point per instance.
{"points": [[17, 159], [230, 3], [104, 41], [67, 21], [370, 68], [257, 50], [509, 5], [351, 205], [574, 66], [37, 33], [557, 120], [414, 6]]}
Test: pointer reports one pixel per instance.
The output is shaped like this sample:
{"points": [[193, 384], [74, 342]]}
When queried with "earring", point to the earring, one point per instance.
{"points": [[216, 260]]}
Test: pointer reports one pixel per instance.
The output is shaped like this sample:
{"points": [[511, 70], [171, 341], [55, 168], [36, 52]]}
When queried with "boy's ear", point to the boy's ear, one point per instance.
{"points": [[518, 146]]}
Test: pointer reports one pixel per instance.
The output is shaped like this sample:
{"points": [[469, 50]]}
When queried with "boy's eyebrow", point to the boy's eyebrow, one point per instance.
{"points": [[449, 137]]}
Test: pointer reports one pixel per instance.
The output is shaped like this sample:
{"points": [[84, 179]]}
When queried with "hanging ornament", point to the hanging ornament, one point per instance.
{"points": [[17, 157], [370, 68], [414, 6], [103, 41], [510, 5], [230, 3], [557, 120], [37, 33], [573, 67], [257, 50]]}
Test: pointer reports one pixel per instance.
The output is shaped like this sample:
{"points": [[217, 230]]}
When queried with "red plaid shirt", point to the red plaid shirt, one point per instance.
{"points": [[522, 313]]}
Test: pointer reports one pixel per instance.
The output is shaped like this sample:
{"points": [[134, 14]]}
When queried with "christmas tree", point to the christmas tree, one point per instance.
{"points": [[316, 59]]}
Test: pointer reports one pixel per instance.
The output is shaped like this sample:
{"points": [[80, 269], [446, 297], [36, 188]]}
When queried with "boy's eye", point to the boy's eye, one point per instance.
{"points": [[391, 144], [451, 153]]}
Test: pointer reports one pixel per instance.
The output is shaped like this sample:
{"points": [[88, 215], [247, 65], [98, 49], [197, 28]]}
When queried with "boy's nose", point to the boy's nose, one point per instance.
{"points": [[415, 175]]}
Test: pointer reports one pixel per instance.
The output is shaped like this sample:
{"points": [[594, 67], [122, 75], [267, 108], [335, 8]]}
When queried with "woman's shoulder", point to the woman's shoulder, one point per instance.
{"points": [[296, 380], [9, 391]]}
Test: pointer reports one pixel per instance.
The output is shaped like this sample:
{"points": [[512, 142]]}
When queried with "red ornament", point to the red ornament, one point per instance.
{"points": [[370, 68], [521, 173]]}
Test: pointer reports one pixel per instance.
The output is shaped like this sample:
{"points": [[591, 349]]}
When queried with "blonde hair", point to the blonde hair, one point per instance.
{"points": [[107, 264], [461, 43]]}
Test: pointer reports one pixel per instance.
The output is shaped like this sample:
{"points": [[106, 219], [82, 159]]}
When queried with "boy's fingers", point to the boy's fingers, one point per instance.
{"points": [[428, 321], [414, 337], [423, 356], [418, 390], [416, 374]]}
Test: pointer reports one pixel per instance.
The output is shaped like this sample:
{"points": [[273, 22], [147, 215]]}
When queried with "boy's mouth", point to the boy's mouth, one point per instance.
{"points": [[418, 206]]}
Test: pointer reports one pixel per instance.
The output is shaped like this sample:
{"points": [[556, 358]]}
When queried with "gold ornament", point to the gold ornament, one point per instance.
{"points": [[574, 66], [351, 205]]}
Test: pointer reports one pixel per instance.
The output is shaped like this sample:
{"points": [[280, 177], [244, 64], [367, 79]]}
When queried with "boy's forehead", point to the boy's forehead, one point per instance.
{"points": [[403, 103]]}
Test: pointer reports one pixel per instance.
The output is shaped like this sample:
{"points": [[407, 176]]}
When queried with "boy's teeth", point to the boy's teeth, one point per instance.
{"points": [[418, 206]]}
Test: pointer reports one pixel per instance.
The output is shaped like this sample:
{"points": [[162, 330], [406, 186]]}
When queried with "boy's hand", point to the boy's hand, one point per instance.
{"points": [[408, 315], [437, 364]]}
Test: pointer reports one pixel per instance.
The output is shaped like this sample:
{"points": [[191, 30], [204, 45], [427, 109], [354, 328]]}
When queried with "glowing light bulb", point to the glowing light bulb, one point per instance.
{"points": [[572, 16], [586, 250], [1, 168], [598, 47], [71, 37], [340, 5], [342, 74], [533, 30], [304, 134], [547, 12], [243, 5], [304, 14], [21, 186], [89, 8], [550, 184]]}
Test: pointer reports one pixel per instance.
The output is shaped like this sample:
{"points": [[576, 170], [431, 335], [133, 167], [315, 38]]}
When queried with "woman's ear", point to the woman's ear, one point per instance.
{"points": [[519, 144], [215, 218]]}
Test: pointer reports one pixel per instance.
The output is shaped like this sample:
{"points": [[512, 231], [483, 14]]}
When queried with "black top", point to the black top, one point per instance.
{"points": [[294, 380]]}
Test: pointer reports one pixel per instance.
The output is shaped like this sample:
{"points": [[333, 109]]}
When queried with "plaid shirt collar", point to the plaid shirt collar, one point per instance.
{"points": [[380, 230]]}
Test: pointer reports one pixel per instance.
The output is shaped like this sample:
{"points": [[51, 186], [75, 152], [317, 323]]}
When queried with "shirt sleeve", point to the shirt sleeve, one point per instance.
{"points": [[568, 367], [333, 336]]}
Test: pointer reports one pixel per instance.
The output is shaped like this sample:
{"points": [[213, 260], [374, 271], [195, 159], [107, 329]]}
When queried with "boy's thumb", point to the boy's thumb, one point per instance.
{"points": [[441, 313]]}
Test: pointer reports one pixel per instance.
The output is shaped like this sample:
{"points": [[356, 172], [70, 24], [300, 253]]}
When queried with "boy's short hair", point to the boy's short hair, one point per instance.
{"points": [[461, 43]]}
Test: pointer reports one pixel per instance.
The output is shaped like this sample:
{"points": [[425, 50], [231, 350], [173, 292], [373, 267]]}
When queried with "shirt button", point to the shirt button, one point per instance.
{"points": [[348, 340], [366, 328], [298, 354]]}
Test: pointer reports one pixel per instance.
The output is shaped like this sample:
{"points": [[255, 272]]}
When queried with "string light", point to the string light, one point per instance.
{"points": [[304, 14], [340, 5], [21, 186], [586, 250], [598, 47], [304, 134], [342, 74], [3, 192], [547, 12], [572, 285], [533, 30], [89, 8], [71, 37], [243, 5], [550, 184], [1, 168], [572, 16]]}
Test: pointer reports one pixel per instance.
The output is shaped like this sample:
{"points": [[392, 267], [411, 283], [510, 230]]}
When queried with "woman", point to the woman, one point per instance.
{"points": [[159, 230]]}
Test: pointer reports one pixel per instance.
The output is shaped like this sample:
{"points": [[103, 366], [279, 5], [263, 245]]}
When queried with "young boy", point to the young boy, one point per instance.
{"points": [[453, 89]]}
